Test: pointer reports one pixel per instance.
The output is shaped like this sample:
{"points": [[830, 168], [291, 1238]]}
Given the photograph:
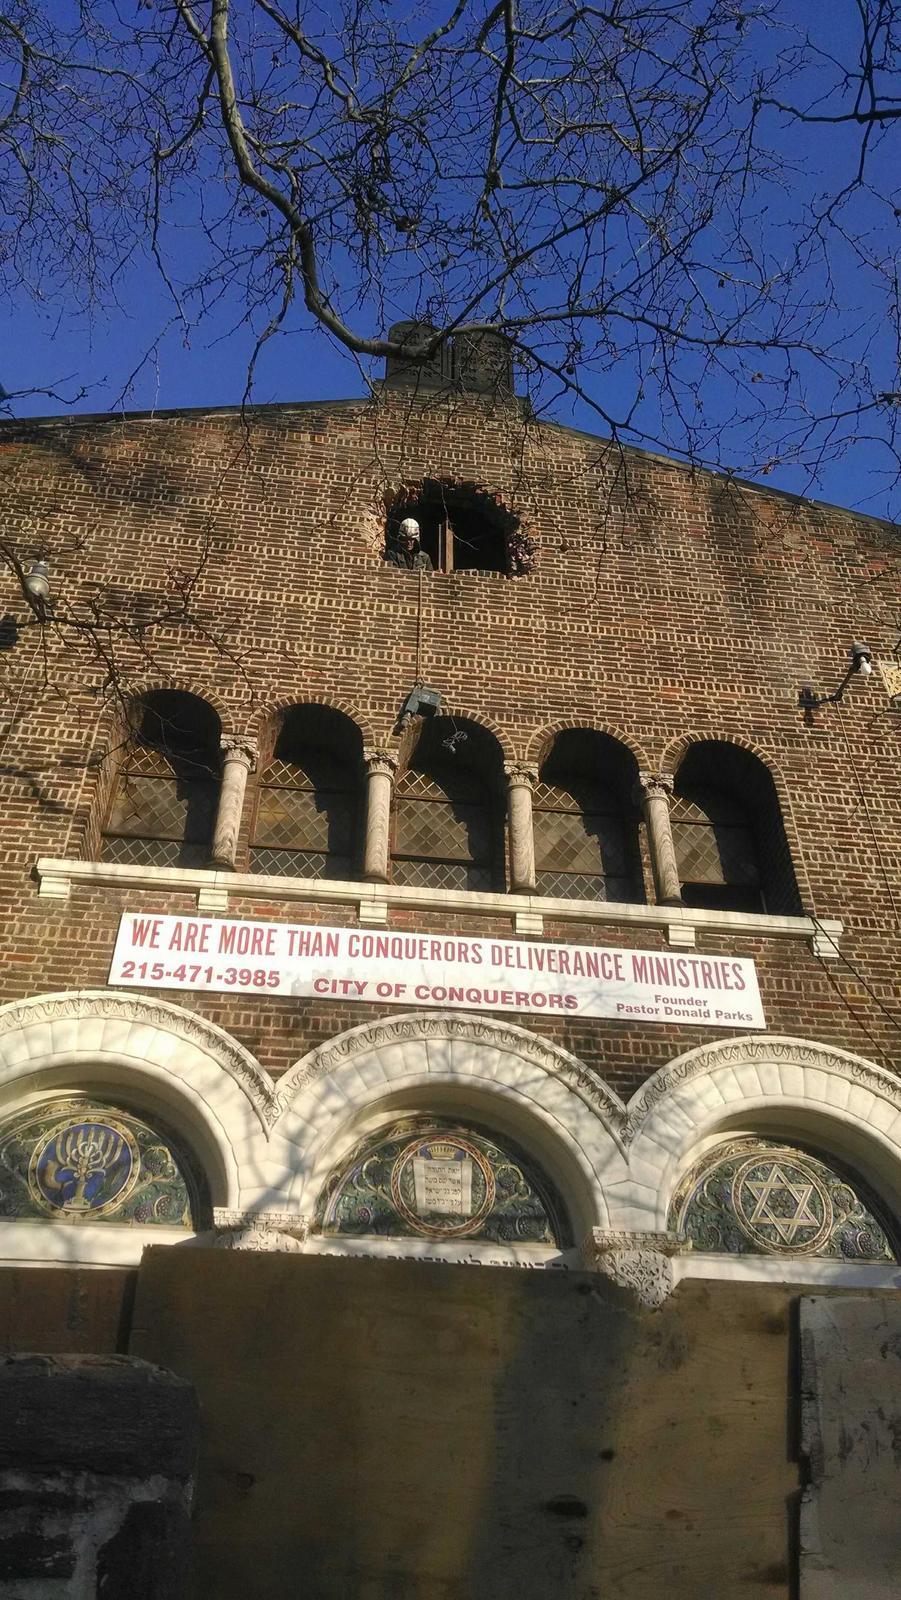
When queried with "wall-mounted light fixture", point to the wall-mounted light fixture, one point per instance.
{"points": [[37, 584], [861, 661], [420, 702]]}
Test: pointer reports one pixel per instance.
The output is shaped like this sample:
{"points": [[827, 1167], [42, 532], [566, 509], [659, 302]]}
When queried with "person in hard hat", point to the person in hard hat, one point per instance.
{"points": [[404, 550]]}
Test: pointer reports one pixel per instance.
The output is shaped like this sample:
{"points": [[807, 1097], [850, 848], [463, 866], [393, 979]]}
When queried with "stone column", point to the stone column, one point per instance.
{"points": [[652, 793], [238, 758], [381, 766], [520, 782]]}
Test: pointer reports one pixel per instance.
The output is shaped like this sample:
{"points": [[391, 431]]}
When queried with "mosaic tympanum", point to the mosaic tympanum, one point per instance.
{"points": [[435, 1179], [757, 1196], [77, 1160]]}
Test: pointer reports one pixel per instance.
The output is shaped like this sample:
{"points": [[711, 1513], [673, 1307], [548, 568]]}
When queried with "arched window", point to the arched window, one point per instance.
{"points": [[78, 1159], [586, 821], [448, 815], [730, 842], [164, 805], [434, 1178], [308, 813], [462, 528], [751, 1196]]}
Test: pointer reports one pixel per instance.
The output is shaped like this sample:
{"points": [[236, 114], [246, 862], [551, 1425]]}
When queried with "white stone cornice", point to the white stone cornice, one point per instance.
{"points": [[215, 891]]}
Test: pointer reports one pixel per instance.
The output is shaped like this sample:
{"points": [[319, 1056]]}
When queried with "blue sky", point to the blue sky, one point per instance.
{"points": [[131, 354]]}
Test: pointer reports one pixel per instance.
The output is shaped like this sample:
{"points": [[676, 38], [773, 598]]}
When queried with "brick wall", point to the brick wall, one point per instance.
{"points": [[666, 605]]}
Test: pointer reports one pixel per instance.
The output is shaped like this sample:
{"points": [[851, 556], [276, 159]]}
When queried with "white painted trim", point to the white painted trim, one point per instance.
{"points": [[214, 891], [32, 1243], [808, 1271]]}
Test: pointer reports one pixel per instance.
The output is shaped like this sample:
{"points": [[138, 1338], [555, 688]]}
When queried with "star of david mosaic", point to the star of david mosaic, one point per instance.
{"points": [[749, 1195], [781, 1204]]}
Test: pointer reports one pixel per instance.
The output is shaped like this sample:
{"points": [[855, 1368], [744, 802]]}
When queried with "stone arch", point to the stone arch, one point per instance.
{"points": [[179, 683], [460, 713], [160, 1058], [793, 1088], [494, 1072], [266, 730], [542, 739]]}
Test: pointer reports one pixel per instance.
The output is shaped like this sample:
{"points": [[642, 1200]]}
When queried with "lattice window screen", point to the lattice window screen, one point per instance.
{"points": [[446, 832], [716, 851], [307, 819], [163, 811], [582, 852]]}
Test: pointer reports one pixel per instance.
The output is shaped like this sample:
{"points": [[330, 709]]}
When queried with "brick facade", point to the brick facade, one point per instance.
{"points": [[666, 605]]}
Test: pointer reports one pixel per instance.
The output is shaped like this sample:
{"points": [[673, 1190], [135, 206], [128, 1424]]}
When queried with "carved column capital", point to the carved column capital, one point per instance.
{"points": [[258, 1230], [653, 785], [641, 1263], [383, 761], [520, 774], [236, 747]]}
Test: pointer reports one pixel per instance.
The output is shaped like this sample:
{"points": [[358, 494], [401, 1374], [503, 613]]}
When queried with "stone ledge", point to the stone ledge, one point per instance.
{"points": [[213, 892]]}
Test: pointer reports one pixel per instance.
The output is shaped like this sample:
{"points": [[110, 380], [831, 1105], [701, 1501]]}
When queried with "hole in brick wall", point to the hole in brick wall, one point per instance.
{"points": [[462, 528]]}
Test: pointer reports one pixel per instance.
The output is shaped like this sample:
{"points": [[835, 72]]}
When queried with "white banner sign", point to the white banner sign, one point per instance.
{"points": [[420, 969]]}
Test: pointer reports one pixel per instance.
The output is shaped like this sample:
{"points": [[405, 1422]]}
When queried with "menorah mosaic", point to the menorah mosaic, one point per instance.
{"points": [[759, 1196], [439, 1180], [78, 1160]]}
